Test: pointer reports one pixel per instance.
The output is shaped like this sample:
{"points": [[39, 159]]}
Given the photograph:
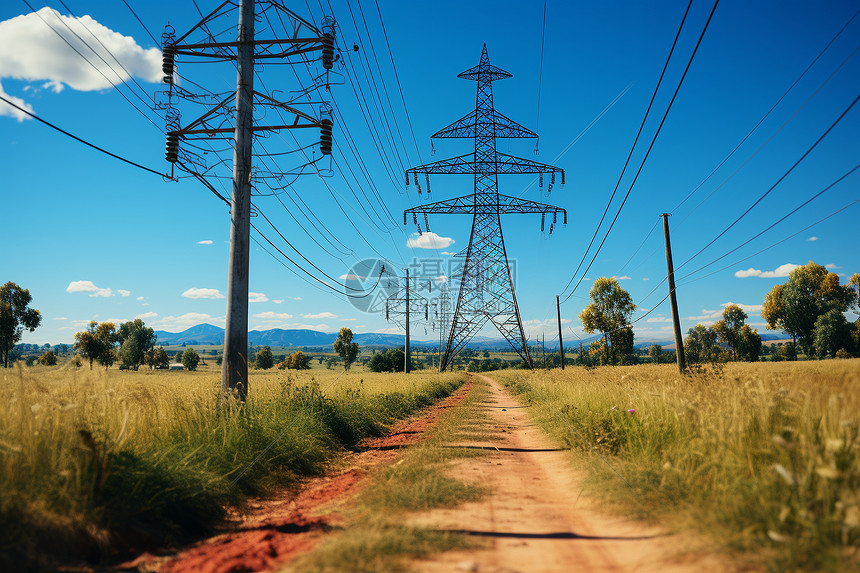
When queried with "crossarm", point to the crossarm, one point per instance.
{"points": [[465, 165], [466, 205]]}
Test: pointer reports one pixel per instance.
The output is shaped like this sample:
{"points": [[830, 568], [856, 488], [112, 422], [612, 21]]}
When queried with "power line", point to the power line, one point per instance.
{"points": [[651, 146], [632, 148], [540, 74], [75, 137], [127, 5]]}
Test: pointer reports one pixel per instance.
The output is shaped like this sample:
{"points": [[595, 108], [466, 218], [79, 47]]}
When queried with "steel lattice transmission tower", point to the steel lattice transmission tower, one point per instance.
{"points": [[486, 288]]}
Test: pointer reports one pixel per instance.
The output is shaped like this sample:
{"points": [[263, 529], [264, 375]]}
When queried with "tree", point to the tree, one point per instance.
{"points": [[298, 361], [136, 339], [96, 343], [190, 359], [656, 353], [344, 346], [609, 311], [264, 359], [728, 329], [157, 358], [699, 346], [831, 334], [810, 292], [749, 344], [389, 361], [15, 316], [48, 358]]}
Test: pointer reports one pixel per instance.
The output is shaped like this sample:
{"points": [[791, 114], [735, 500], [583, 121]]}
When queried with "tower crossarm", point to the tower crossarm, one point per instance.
{"points": [[503, 127], [467, 205], [463, 164], [466, 165], [510, 164]]}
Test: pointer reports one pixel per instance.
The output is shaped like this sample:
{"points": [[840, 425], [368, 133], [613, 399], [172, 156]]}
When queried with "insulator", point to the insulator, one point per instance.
{"points": [[171, 152], [540, 180], [562, 176], [415, 218], [328, 51], [550, 228], [325, 136], [549, 189], [429, 286], [426, 313], [426, 222], [386, 310], [415, 176], [565, 217], [555, 217], [355, 47], [407, 179], [552, 178], [419, 188], [168, 63], [427, 176], [542, 221], [404, 218]]}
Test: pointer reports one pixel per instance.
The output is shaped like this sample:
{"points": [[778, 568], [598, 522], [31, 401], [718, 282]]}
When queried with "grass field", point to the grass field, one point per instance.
{"points": [[96, 462], [762, 457]]}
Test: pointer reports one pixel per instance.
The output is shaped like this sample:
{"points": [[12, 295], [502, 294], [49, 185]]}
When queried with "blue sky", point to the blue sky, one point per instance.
{"points": [[93, 238]]}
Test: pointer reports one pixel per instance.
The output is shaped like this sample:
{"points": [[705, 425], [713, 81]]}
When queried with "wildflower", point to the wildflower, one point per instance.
{"points": [[631, 411]]}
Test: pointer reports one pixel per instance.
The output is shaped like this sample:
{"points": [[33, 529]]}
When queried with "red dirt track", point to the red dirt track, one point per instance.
{"points": [[277, 529]]}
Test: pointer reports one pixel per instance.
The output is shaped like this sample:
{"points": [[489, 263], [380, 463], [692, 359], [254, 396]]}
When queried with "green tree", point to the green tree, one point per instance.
{"points": [[345, 347], [190, 359], [749, 344], [97, 342], [48, 358], [389, 361], [700, 344], [728, 329], [831, 334], [656, 353], [298, 361], [609, 312], [157, 358], [15, 316], [810, 292], [136, 339], [264, 359]]}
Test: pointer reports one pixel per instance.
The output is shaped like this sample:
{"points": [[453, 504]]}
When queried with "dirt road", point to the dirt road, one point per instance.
{"points": [[534, 519]]}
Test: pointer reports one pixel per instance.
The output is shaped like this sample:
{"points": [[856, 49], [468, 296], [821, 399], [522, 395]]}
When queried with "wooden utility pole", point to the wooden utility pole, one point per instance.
{"points": [[406, 361], [560, 342], [679, 341], [234, 370]]}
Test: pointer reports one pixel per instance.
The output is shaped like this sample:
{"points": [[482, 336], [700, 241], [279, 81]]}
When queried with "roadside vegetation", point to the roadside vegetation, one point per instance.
{"points": [[97, 463], [379, 537], [762, 457]]}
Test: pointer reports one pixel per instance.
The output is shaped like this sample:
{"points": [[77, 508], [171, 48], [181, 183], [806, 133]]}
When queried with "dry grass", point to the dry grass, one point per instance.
{"points": [[93, 461], [764, 456]]}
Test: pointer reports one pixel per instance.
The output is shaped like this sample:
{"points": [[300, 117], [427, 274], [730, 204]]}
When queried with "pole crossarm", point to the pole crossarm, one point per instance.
{"points": [[466, 127], [467, 205]]}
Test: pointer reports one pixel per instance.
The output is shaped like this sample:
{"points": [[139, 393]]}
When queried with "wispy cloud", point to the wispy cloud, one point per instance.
{"points": [[622, 278], [60, 318], [813, 238], [269, 315], [780, 271], [278, 301], [140, 298], [428, 240], [123, 292], [450, 254], [187, 320], [88, 287], [320, 315], [147, 315], [351, 277], [257, 297], [831, 266], [205, 242], [202, 293]]}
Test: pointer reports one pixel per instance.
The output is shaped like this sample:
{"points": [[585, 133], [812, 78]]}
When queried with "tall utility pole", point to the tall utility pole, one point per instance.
{"points": [[679, 342], [406, 361], [234, 369], [216, 123], [487, 287], [560, 341]]}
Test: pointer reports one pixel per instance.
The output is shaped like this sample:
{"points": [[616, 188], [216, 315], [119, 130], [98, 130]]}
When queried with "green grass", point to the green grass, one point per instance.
{"points": [[763, 457], [94, 461], [378, 537]]}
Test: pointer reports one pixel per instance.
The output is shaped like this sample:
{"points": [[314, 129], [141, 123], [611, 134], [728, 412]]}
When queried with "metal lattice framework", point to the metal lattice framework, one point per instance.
{"points": [[486, 289]]}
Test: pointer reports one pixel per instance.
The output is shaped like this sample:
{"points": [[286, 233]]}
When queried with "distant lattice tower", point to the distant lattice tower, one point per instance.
{"points": [[486, 288]]}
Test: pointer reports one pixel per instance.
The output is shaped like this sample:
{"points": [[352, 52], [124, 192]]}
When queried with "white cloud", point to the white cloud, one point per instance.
{"points": [[745, 307], [351, 277], [205, 242], [269, 315], [187, 320], [6, 109], [812, 238], [202, 293], [320, 315], [831, 266], [658, 319], [147, 315], [780, 271], [622, 278], [278, 301], [123, 292], [448, 253], [60, 318], [428, 240], [140, 298], [88, 286], [257, 297], [718, 314], [31, 50], [441, 279], [347, 319], [645, 279]]}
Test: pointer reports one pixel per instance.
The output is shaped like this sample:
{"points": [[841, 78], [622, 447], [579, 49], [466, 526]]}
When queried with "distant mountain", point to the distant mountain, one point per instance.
{"points": [[198, 334]]}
